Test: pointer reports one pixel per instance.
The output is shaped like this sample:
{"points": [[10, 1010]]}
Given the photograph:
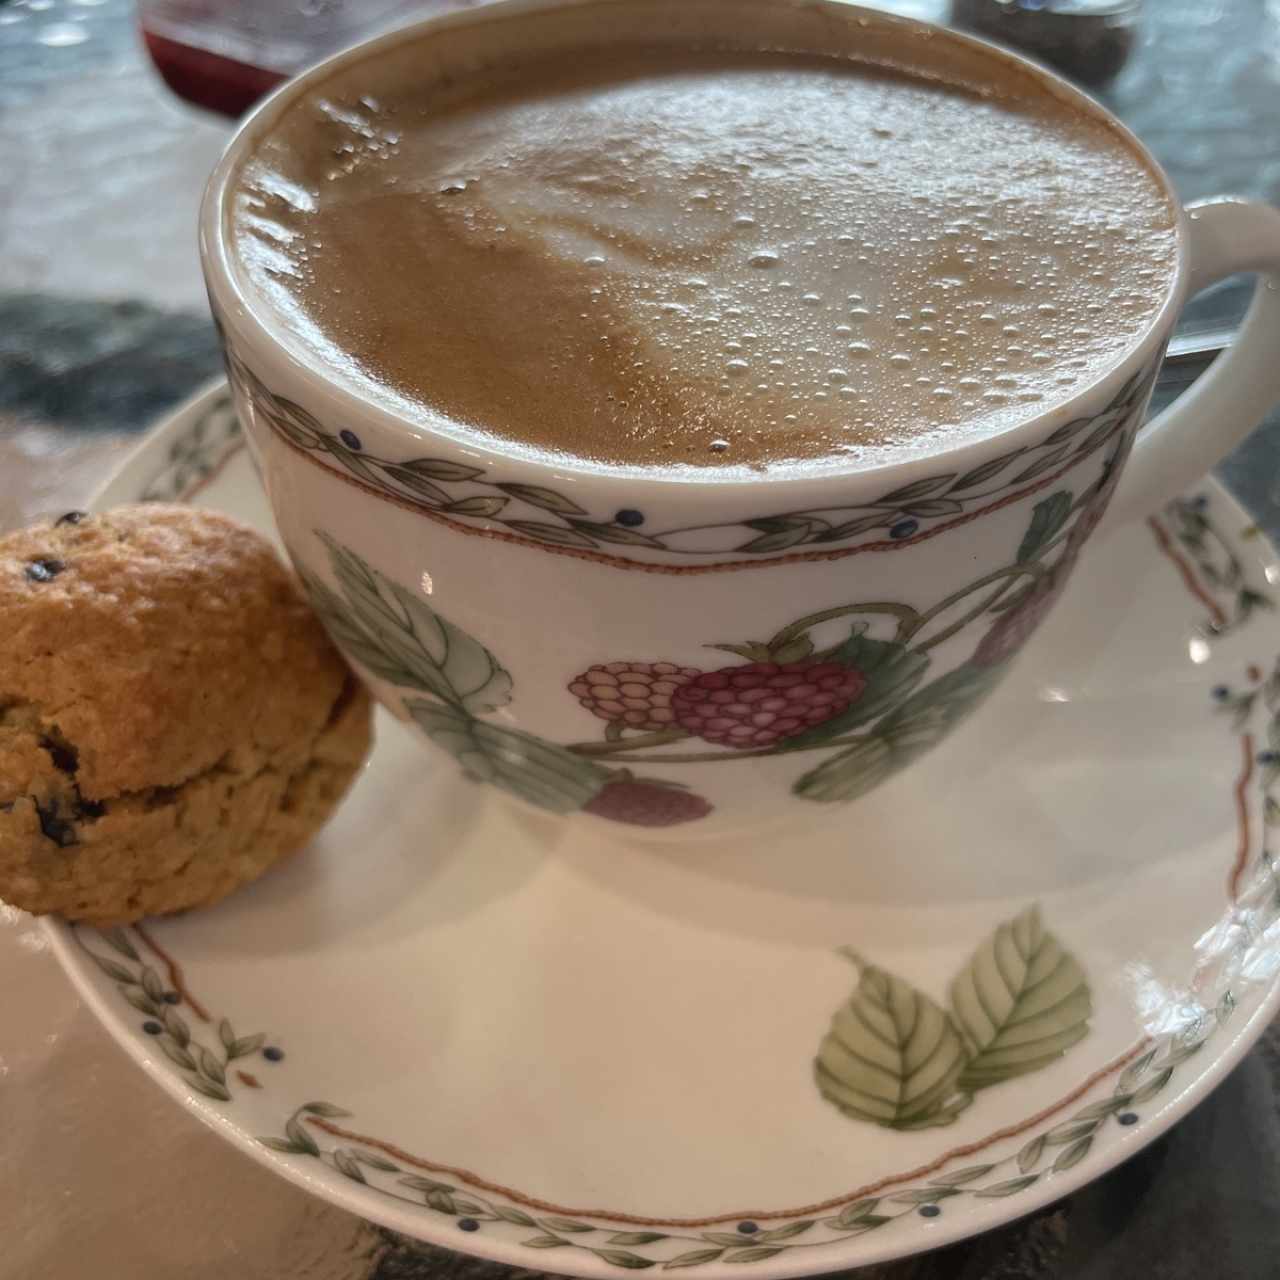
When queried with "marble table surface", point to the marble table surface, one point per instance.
{"points": [[102, 327]]}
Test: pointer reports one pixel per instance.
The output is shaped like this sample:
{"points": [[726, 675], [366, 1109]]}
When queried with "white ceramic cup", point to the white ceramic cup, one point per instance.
{"points": [[687, 656]]}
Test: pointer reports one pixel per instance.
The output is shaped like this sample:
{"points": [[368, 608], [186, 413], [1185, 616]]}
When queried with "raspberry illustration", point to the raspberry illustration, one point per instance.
{"points": [[1014, 627], [761, 703], [643, 803], [636, 694]]}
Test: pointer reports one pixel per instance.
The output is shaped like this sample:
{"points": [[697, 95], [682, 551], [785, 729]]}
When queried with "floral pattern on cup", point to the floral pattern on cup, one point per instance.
{"points": [[869, 704], [473, 499]]}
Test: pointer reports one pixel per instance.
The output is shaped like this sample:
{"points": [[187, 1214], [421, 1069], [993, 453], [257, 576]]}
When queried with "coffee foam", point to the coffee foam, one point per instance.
{"points": [[664, 259]]}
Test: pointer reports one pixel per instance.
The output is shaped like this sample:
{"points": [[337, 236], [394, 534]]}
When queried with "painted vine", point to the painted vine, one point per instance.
{"points": [[202, 1067], [306, 1130], [196, 452], [471, 496], [822, 682], [1217, 564], [1051, 1152]]}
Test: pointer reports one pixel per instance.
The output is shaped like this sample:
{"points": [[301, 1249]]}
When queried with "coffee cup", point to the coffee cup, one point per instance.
{"points": [[684, 651]]}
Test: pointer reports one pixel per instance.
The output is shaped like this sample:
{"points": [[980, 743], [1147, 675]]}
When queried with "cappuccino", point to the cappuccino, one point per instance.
{"points": [[665, 258]]}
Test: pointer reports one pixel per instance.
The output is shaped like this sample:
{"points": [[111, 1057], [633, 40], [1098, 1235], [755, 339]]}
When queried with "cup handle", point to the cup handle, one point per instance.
{"points": [[1177, 447]]}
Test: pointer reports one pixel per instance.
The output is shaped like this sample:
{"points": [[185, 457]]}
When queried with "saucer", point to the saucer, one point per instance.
{"points": [[986, 984]]}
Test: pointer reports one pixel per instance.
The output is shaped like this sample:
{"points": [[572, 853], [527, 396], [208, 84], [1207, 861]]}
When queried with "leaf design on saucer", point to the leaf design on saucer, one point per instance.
{"points": [[895, 1058], [1020, 1003], [400, 638], [527, 767], [892, 1056]]}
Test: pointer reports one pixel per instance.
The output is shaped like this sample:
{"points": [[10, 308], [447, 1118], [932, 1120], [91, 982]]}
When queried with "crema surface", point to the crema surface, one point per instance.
{"points": [[662, 259]]}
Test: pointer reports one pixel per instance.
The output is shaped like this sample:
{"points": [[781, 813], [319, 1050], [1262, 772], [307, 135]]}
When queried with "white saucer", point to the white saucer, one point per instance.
{"points": [[509, 1037]]}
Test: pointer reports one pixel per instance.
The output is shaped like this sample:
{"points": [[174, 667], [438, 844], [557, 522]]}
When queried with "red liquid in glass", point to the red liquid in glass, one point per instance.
{"points": [[208, 79], [224, 55]]}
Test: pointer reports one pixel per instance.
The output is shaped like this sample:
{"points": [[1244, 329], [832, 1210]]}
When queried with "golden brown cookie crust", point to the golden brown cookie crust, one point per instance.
{"points": [[173, 718]]}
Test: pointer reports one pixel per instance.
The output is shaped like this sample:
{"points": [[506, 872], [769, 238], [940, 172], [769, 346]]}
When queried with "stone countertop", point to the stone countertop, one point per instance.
{"points": [[102, 327]]}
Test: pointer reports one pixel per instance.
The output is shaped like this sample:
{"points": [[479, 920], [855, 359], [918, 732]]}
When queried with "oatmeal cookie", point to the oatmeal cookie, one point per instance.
{"points": [[173, 719]]}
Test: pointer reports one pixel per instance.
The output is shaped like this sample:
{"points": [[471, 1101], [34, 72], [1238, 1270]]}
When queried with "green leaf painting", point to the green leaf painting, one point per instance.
{"points": [[548, 499], [1047, 519], [892, 1056], [862, 701], [850, 774], [401, 638], [930, 713], [918, 723], [895, 1058], [480, 500], [527, 767], [1020, 1003]]}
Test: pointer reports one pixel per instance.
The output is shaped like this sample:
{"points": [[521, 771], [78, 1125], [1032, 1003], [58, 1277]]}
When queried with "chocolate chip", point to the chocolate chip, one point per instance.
{"points": [[161, 797], [91, 808], [44, 570], [71, 517], [63, 754], [55, 828]]}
